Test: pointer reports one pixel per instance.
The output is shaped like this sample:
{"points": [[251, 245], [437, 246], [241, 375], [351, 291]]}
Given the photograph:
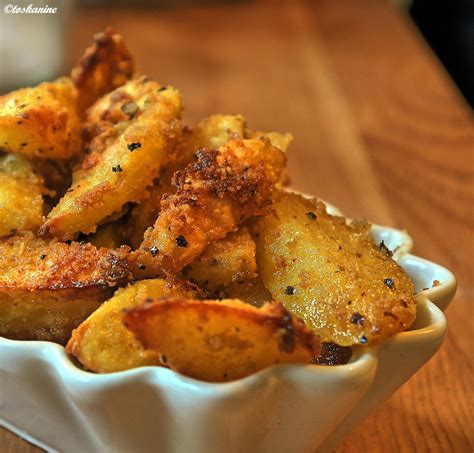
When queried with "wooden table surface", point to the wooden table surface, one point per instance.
{"points": [[381, 132]]}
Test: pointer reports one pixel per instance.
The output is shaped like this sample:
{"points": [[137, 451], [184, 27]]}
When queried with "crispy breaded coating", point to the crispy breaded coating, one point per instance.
{"points": [[103, 344], [214, 195], [278, 140], [21, 201], [41, 122], [211, 132], [332, 275], [48, 288], [105, 65], [220, 341], [123, 160], [231, 259]]}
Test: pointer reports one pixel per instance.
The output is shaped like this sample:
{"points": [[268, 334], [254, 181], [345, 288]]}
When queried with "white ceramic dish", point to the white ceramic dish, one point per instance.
{"points": [[45, 398]]}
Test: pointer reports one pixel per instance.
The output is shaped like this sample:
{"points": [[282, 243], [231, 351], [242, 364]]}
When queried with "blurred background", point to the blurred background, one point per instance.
{"points": [[34, 47]]}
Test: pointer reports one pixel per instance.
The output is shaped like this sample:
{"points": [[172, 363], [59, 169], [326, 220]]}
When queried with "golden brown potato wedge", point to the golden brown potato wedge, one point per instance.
{"points": [[41, 122], [231, 259], [122, 162], [211, 132], [105, 65], [214, 195], [21, 201], [103, 344], [48, 288], [220, 340], [44, 121], [331, 274]]}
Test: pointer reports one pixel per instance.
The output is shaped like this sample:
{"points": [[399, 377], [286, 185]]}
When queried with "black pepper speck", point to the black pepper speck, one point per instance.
{"points": [[357, 318], [181, 241], [133, 146]]}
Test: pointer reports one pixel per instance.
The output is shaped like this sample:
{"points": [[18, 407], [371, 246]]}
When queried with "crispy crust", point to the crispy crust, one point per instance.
{"points": [[32, 264], [47, 288], [213, 196], [105, 65], [211, 132]]}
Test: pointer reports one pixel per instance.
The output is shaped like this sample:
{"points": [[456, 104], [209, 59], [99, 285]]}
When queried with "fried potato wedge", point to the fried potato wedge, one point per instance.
{"points": [[48, 288], [45, 121], [21, 201], [211, 132], [214, 195], [104, 345], [105, 65], [227, 260], [41, 122], [331, 274], [122, 162], [220, 340]]}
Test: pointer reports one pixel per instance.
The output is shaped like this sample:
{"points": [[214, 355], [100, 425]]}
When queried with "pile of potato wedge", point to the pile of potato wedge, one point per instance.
{"points": [[135, 239]]}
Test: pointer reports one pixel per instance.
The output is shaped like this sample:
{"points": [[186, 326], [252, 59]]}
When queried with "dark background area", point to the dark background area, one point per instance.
{"points": [[448, 26]]}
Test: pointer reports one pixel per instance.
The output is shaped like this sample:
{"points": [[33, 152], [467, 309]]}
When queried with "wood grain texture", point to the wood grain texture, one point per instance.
{"points": [[380, 131]]}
